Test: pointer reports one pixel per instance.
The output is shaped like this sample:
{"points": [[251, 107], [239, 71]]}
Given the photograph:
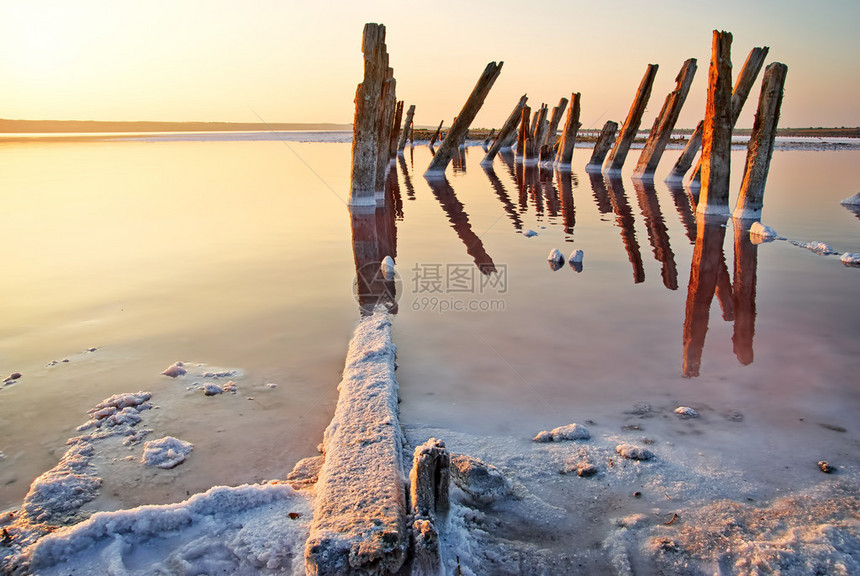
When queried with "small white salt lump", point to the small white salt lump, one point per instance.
{"points": [[556, 256], [686, 412], [166, 452], [175, 370], [762, 231], [529, 233], [851, 259], [387, 268], [632, 452], [576, 257], [211, 389]]}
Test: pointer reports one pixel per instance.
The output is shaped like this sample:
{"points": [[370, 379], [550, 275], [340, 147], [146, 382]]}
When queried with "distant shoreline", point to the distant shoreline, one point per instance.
{"points": [[95, 126]]}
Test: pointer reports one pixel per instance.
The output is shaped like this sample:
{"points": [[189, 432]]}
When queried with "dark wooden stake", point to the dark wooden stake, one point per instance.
{"points": [[687, 156], [523, 132], [717, 135], [489, 136], [568, 136], [407, 127], [365, 131], [395, 135], [470, 109], [661, 132], [507, 129], [550, 139], [539, 126], [743, 86], [631, 126], [760, 147], [436, 134], [601, 147]]}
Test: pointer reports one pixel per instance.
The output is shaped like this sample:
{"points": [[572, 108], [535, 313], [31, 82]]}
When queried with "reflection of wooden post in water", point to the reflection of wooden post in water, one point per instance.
{"points": [[624, 219], [601, 147], [522, 188], [374, 236], [568, 136], [549, 191], [460, 223], [743, 289], [760, 146], [502, 194], [436, 134], [393, 197], [743, 86], [631, 124], [407, 127], [464, 119], [523, 133], [717, 137], [407, 180], [708, 260], [508, 129], [658, 234], [685, 160], [568, 210], [365, 132], [459, 159], [685, 208], [661, 132], [532, 176], [601, 195]]}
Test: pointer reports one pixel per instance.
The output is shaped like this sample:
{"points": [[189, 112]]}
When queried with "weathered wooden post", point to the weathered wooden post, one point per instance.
{"points": [[661, 132], [429, 484], [394, 136], [388, 105], [550, 138], [601, 147], [489, 136], [568, 136], [365, 131], [631, 124], [743, 86], [407, 127], [539, 126], [685, 160], [717, 135], [523, 133], [760, 147], [436, 134], [464, 119], [508, 128]]}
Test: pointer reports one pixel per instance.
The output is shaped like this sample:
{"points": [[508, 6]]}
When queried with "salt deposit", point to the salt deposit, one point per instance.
{"points": [[555, 259], [562, 433], [765, 233], [852, 201], [686, 412], [632, 452], [530, 233], [817, 247], [387, 268], [175, 370], [576, 256], [167, 452], [851, 259]]}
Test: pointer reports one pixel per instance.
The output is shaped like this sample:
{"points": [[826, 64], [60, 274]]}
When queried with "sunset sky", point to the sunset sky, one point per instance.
{"points": [[286, 61]]}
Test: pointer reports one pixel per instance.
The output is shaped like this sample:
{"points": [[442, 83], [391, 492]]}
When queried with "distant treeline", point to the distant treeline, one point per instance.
{"points": [[88, 126]]}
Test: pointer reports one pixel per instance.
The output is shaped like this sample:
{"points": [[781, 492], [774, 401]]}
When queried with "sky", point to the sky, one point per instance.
{"points": [[286, 61]]}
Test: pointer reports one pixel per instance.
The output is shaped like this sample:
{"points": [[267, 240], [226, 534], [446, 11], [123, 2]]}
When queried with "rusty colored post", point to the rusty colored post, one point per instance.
{"points": [[717, 135], [631, 124], [601, 147]]}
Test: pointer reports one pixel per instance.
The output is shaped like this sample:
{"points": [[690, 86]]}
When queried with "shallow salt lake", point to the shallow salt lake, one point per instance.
{"points": [[238, 255]]}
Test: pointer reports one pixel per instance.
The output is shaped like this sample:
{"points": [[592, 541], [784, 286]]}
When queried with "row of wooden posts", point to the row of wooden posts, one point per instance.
{"points": [[378, 137]]}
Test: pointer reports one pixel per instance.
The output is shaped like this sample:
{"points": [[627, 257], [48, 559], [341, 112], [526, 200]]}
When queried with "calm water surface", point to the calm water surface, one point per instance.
{"points": [[243, 255]]}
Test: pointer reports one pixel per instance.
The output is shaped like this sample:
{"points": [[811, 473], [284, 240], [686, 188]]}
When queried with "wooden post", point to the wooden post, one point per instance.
{"points": [[436, 134], [687, 156], [407, 126], [490, 136], [387, 104], [743, 86], [631, 124], [717, 135], [601, 147], [523, 132], [464, 119], [508, 128], [429, 484], [539, 126], [760, 147], [365, 131], [395, 129], [568, 136], [661, 132], [551, 137]]}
